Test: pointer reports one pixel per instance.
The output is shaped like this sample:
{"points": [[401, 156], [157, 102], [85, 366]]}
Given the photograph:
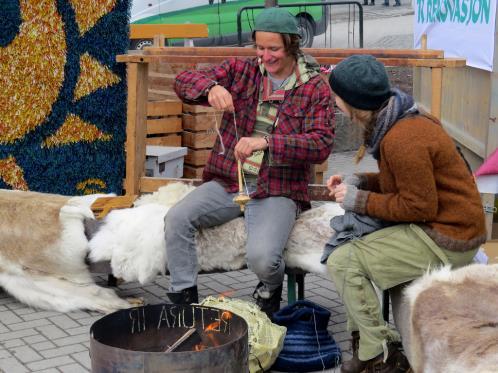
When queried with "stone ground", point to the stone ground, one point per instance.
{"points": [[33, 340]]}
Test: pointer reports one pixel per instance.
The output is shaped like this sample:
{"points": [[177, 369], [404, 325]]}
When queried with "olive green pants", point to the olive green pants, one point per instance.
{"points": [[387, 258]]}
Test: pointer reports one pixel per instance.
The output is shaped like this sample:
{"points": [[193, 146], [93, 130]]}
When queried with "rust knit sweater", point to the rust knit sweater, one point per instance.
{"points": [[422, 179]]}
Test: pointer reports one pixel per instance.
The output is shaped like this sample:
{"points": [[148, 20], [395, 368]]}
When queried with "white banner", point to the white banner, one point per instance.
{"points": [[462, 28]]}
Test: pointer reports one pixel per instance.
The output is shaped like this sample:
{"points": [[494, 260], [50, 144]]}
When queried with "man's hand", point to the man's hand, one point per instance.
{"points": [[248, 145], [332, 183], [220, 98]]}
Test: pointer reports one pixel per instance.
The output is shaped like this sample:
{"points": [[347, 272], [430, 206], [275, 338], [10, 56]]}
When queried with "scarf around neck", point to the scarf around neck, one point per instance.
{"points": [[400, 104]]}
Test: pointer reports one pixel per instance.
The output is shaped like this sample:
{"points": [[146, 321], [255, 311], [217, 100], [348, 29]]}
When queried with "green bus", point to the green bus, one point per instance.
{"points": [[221, 18]]}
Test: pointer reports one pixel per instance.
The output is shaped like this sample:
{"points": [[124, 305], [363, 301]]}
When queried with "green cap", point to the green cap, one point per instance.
{"points": [[276, 20]]}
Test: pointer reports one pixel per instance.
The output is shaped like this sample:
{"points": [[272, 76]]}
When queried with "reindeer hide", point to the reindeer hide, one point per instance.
{"points": [[454, 320]]}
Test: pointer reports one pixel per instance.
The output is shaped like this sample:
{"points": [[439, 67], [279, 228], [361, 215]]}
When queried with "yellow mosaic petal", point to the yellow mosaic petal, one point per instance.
{"points": [[12, 174], [93, 75], [91, 186], [90, 11], [75, 130], [31, 69]]}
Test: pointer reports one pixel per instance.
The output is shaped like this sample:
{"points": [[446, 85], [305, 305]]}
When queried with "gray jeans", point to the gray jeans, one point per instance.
{"points": [[268, 221]]}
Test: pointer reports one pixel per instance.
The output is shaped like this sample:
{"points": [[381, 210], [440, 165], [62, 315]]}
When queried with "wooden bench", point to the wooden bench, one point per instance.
{"points": [[102, 206]]}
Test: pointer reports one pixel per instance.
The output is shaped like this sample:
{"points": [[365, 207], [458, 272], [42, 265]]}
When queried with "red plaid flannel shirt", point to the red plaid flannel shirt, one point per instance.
{"points": [[303, 136]]}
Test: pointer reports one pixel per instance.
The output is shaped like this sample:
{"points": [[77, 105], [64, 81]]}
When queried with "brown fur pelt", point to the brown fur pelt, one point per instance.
{"points": [[43, 249], [454, 320]]}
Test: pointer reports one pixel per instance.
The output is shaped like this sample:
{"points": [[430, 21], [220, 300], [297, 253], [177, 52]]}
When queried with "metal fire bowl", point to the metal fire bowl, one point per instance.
{"points": [[134, 340]]}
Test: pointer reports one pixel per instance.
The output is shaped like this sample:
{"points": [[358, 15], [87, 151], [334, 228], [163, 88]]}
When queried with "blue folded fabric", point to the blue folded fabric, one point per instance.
{"points": [[308, 346]]}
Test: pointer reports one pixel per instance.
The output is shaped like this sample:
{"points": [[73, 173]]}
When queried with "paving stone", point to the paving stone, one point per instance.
{"points": [[43, 346], [217, 288], [3, 329], [66, 350], [13, 343], [15, 305], [89, 320], [225, 279], [64, 322], [39, 315], [50, 363], [129, 286], [236, 274], [79, 330], [3, 308], [29, 324], [4, 354], [52, 332], [35, 339], [156, 290], [17, 334], [78, 315], [24, 311], [12, 365], [72, 339], [26, 354], [83, 358], [9, 317], [50, 370], [73, 368]]}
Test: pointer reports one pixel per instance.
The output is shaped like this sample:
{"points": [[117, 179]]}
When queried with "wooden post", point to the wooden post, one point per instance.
{"points": [[158, 40], [423, 41], [488, 202], [437, 83], [136, 126], [437, 88]]}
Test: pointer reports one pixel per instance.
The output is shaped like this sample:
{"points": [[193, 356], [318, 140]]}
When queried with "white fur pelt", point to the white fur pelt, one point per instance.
{"points": [[42, 253], [454, 320], [133, 239]]}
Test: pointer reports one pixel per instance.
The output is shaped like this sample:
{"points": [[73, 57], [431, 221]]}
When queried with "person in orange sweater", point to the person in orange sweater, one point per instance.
{"points": [[424, 193]]}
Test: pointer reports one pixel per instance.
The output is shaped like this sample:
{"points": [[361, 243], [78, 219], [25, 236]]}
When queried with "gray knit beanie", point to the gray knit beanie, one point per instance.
{"points": [[361, 81]]}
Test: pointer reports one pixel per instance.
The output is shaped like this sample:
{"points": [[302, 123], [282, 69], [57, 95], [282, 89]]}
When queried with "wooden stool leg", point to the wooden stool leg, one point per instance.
{"points": [[291, 288]]}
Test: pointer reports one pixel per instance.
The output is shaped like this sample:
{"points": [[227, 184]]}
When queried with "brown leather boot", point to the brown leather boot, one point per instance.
{"points": [[355, 342], [355, 364], [396, 363]]}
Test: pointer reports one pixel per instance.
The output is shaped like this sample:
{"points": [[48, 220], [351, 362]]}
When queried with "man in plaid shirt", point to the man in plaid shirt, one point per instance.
{"points": [[278, 121]]}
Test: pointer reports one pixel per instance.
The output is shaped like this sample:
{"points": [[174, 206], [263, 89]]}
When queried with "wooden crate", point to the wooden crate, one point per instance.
{"points": [[201, 122], [168, 140], [319, 171], [162, 78], [199, 135], [198, 140], [197, 157], [191, 172], [164, 123]]}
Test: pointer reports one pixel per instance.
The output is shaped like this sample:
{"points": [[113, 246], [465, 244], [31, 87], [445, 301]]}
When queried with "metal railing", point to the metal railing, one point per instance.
{"points": [[324, 4]]}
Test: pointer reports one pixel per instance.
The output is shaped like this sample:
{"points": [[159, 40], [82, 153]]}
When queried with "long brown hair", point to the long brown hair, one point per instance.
{"points": [[366, 119]]}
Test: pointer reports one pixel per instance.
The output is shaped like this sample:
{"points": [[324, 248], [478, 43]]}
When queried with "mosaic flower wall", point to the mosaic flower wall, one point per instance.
{"points": [[62, 95]]}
